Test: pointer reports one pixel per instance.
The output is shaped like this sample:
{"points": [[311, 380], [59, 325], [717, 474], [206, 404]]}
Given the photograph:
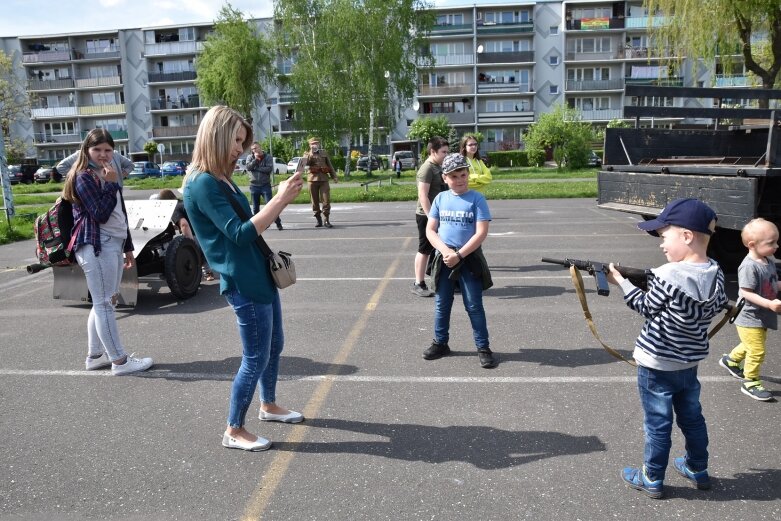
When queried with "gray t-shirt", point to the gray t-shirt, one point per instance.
{"points": [[431, 173], [761, 278]]}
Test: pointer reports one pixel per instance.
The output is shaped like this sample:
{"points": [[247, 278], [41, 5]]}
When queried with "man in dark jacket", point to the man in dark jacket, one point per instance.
{"points": [[260, 165]]}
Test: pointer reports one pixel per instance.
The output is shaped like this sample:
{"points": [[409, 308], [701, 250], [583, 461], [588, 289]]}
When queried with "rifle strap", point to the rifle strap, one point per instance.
{"points": [[577, 281]]}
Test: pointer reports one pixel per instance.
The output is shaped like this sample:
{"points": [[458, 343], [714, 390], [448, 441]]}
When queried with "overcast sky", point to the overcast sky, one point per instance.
{"points": [[34, 17]]}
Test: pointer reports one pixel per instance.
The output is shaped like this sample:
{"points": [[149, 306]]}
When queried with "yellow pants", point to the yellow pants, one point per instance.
{"points": [[751, 349]]}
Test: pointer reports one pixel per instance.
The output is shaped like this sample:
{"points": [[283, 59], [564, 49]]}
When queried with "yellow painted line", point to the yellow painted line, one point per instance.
{"points": [[264, 492]]}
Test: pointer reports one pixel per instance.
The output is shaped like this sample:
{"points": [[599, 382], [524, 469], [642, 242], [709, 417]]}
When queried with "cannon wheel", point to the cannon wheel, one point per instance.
{"points": [[183, 267]]}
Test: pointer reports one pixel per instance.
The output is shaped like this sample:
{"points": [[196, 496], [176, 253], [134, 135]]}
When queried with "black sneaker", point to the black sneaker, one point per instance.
{"points": [[436, 351], [488, 360], [732, 366], [421, 290]]}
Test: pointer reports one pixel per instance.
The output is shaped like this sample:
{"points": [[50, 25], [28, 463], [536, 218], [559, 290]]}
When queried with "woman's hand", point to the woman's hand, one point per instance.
{"points": [[130, 259], [289, 189]]}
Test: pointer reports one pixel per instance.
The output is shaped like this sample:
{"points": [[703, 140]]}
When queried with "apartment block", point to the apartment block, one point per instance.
{"points": [[497, 67]]}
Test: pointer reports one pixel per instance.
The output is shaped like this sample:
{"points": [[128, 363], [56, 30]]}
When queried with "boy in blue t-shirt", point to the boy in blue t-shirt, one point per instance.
{"points": [[457, 226]]}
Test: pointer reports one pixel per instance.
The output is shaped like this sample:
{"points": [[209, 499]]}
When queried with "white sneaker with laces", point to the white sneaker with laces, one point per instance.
{"points": [[97, 363], [132, 365]]}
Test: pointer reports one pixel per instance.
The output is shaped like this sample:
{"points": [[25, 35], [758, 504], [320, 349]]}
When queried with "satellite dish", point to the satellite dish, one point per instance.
{"points": [[415, 105], [480, 48], [387, 74]]}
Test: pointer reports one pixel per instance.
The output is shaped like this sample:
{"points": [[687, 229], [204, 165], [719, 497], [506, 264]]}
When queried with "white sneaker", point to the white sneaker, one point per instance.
{"points": [[97, 363], [132, 365]]}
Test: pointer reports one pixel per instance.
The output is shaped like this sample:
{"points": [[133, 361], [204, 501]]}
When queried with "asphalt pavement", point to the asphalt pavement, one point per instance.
{"points": [[388, 435]]}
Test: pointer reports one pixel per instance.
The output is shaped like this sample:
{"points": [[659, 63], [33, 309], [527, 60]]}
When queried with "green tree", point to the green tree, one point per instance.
{"points": [[284, 149], [237, 63], [14, 101], [423, 129], [354, 62], [15, 150], [150, 147], [564, 133], [708, 28]]}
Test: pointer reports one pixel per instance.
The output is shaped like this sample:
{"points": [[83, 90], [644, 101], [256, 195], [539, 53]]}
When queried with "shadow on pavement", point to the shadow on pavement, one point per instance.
{"points": [[225, 369], [483, 447], [756, 485]]}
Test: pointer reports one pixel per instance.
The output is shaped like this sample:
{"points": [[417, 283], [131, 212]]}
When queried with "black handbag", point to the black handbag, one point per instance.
{"points": [[283, 270]]}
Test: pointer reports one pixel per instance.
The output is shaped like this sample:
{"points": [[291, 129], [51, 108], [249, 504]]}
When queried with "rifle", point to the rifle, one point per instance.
{"points": [[599, 270]]}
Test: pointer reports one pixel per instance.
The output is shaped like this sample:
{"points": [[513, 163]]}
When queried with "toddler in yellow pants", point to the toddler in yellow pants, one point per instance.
{"points": [[758, 282]]}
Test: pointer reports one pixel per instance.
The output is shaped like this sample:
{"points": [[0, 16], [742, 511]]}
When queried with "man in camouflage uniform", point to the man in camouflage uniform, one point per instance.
{"points": [[320, 169]]}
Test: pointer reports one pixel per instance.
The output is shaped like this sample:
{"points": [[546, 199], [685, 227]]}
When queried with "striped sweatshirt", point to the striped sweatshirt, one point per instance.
{"points": [[681, 301]]}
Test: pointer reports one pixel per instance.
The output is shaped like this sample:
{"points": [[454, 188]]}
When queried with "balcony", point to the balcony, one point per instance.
{"points": [[450, 30], [499, 118], [642, 53], [504, 88], [454, 118], [166, 48], [579, 85], [593, 56], [104, 81], [737, 81], [158, 77], [444, 90], [505, 57], [494, 29], [673, 81], [287, 97], [601, 114], [186, 130], [190, 102], [52, 112], [595, 24], [287, 125], [642, 22], [53, 139], [108, 53], [65, 83], [110, 108], [48, 56], [115, 134], [453, 59]]}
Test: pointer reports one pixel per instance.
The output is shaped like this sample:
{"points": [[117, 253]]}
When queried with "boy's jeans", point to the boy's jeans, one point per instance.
{"points": [[260, 329], [472, 292], [661, 394]]}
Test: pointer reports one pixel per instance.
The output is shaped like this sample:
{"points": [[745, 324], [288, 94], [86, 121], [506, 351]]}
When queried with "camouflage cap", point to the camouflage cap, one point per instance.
{"points": [[453, 162]]}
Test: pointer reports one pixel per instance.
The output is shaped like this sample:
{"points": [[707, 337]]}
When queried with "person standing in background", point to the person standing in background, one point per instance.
{"points": [[260, 165], [479, 173], [320, 169]]}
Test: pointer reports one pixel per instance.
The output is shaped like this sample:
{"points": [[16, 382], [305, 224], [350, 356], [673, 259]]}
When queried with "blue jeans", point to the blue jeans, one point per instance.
{"points": [[104, 274], [661, 394], [472, 293], [256, 192], [262, 339]]}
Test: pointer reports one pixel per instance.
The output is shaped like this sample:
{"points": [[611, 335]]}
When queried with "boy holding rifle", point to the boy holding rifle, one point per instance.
{"points": [[682, 298]]}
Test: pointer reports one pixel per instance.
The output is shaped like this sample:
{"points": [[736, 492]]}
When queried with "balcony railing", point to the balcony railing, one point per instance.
{"points": [[453, 117], [512, 28], [508, 87], [44, 138], [171, 76], [186, 130], [454, 59], [190, 102], [65, 83], [287, 97], [103, 81], [440, 30], [641, 22], [601, 114], [595, 24], [505, 57], [592, 56], [614, 84], [155, 49], [637, 53], [287, 125], [517, 116], [737, 81], [659, 82], [48, 56], [116, 134], [109, 108], [52, 112], [110, 52], [445, 90]]}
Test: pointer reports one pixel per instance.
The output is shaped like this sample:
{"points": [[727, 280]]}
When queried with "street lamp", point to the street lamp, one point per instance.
{"points": [[270, 140]]}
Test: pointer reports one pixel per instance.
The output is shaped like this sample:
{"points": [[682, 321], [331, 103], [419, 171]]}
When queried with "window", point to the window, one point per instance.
{"points": [[450, 19], [553, 89], [187, 34], [589, 104], [554, 60], [554, 30], [59, 128], [507, 106], [588, 74], [508, 45], [591, 45], [592, 12], [102, 45], [445, 49]]}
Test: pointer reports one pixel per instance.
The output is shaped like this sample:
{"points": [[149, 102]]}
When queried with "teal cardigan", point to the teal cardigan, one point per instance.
{"points": [[227, 242]]}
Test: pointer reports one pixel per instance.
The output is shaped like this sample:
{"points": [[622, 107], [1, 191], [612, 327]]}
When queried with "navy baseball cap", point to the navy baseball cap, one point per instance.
{"points": [[691, 214]]}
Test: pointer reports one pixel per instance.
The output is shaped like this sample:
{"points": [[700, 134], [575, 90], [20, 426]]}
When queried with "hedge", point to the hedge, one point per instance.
{"points": [[514, 158]]}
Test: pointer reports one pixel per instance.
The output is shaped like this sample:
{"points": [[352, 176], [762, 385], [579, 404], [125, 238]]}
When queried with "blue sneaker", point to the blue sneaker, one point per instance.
{"points": [[636, 479], [700, 479]]}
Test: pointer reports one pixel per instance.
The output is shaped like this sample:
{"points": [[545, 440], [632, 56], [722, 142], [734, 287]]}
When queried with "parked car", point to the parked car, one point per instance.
{"points": [[293, 164], [22, 173], [144, 169], [594, 159], [174, 168], [363, 163], [407, 158], [280, 167], [47, 173]]}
